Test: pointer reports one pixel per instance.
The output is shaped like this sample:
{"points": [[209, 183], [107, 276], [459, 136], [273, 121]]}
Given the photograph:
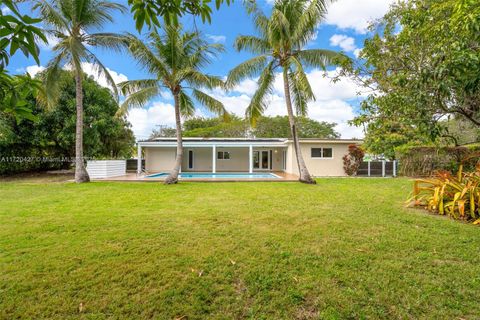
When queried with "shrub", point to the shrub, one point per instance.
{"points": [[446, 194], [353, 159], [424, 161]]}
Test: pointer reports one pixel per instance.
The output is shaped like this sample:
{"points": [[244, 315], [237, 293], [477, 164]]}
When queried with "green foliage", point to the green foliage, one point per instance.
{"points": [[179, 70], [423, 64], [279, 44], [14, 93], [353, 159], [418, 161], [17, 31], [383, 136], [52, 135], [456, 196], [279, 127], [266, 127], [148, 11], [75, 24]]}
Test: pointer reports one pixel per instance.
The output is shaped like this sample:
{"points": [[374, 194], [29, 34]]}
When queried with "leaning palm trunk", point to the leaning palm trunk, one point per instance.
{"points": [[81, 174], [173, 176], [305, 176]]}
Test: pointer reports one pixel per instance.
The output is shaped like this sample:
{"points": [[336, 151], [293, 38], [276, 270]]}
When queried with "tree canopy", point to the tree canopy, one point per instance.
{"points": [[422, 65], [267, 127], [52, 135]]}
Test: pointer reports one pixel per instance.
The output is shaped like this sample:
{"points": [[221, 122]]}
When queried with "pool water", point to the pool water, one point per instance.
{"points": [[206, 175]]}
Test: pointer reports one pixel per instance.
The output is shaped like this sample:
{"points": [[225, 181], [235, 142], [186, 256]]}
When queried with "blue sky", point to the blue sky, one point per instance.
{"points": [[344, 29]]}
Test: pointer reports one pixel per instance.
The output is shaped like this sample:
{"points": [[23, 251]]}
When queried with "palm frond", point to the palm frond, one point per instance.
{"points": [[309, 19], [211, 103], [247, 69], [51, 79], [258, 104], [132, 86], [318, 58], [102, 72], [138, 99], [198, 79], [111, 41], [146, 58], [252, 44], [187, 108]]}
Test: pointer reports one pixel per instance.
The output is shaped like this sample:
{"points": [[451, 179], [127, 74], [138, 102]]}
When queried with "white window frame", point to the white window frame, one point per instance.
{"points": [[321, 151], [223, 155]]}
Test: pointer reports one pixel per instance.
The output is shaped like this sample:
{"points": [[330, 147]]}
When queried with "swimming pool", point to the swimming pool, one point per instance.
{"points": [[227, 175]]}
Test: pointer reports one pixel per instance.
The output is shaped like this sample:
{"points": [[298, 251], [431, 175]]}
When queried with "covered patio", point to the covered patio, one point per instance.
{"points": [[214, 155]]}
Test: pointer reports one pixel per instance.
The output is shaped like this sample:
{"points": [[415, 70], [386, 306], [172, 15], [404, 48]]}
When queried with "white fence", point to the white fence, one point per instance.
{"points": [[106, 168]]}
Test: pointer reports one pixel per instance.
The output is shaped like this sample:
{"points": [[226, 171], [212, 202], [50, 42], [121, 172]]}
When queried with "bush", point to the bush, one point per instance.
{"points": [[445, 194], [352, 160], [424, 161]]}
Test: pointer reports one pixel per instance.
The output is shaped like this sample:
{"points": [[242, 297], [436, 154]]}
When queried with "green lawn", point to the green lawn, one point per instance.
{"points": [[342, 249]]}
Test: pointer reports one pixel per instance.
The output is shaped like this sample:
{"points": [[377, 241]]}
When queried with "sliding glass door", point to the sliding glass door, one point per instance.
{"points": [[261, 160]]}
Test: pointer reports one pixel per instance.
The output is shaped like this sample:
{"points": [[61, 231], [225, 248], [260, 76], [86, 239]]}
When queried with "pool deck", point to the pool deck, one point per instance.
{"points": [[133, 177]]}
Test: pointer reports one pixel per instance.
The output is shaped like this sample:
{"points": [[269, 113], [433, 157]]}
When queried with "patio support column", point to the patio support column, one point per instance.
{"points": [[214, 159], [394, 168], [383, 168], [139, 158], [250, 159]]}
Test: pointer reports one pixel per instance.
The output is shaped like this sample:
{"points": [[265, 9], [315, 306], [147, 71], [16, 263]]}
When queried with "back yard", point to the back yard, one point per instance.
{"points": [[345, 248]]}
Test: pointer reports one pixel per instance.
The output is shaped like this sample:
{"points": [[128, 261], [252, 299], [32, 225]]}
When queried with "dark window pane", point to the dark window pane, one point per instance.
{"points": [[316, 152], [190, 159], [327, 152], [226, 155], [220, 155]]}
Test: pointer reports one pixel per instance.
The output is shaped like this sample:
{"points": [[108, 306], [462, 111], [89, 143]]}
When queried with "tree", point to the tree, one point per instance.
{"points": [[280, 44], [17, 32], [73, 23], [279, 127], [422, 65], [52, 135], [148, 11], [383, 136], [175, 59], [266, 127]]}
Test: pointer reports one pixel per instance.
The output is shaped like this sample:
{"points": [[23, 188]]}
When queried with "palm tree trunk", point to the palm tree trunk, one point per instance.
{"points": [[173, 176], [305, 176], [81, 174]]}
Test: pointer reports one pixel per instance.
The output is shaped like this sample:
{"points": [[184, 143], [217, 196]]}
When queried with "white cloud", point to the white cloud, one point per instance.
{"points": [[217, 38], [52, 41], [92, 71], [5, 10], [33, 70], [356, 14], [357, 52], [345, 42], [144, 120]]}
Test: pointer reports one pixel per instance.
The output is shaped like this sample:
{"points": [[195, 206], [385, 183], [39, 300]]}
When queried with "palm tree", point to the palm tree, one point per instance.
{"points": [[72, 23], [175, 59], [280, 44]]}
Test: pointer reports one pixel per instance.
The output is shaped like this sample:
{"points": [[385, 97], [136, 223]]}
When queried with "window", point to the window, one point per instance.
{"points": [[190, 159], [322, 153], [223, 155]]}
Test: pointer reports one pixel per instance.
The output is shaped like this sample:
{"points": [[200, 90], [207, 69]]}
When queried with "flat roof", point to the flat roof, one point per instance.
{"points": [[237, 142], [213, 139]]}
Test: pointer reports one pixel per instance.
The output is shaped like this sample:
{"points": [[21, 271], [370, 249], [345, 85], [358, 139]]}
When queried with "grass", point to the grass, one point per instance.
{"points": [[345, 248]]}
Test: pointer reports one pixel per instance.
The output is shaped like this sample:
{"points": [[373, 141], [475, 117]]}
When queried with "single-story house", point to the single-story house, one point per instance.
{"points": [[323, 157]]}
